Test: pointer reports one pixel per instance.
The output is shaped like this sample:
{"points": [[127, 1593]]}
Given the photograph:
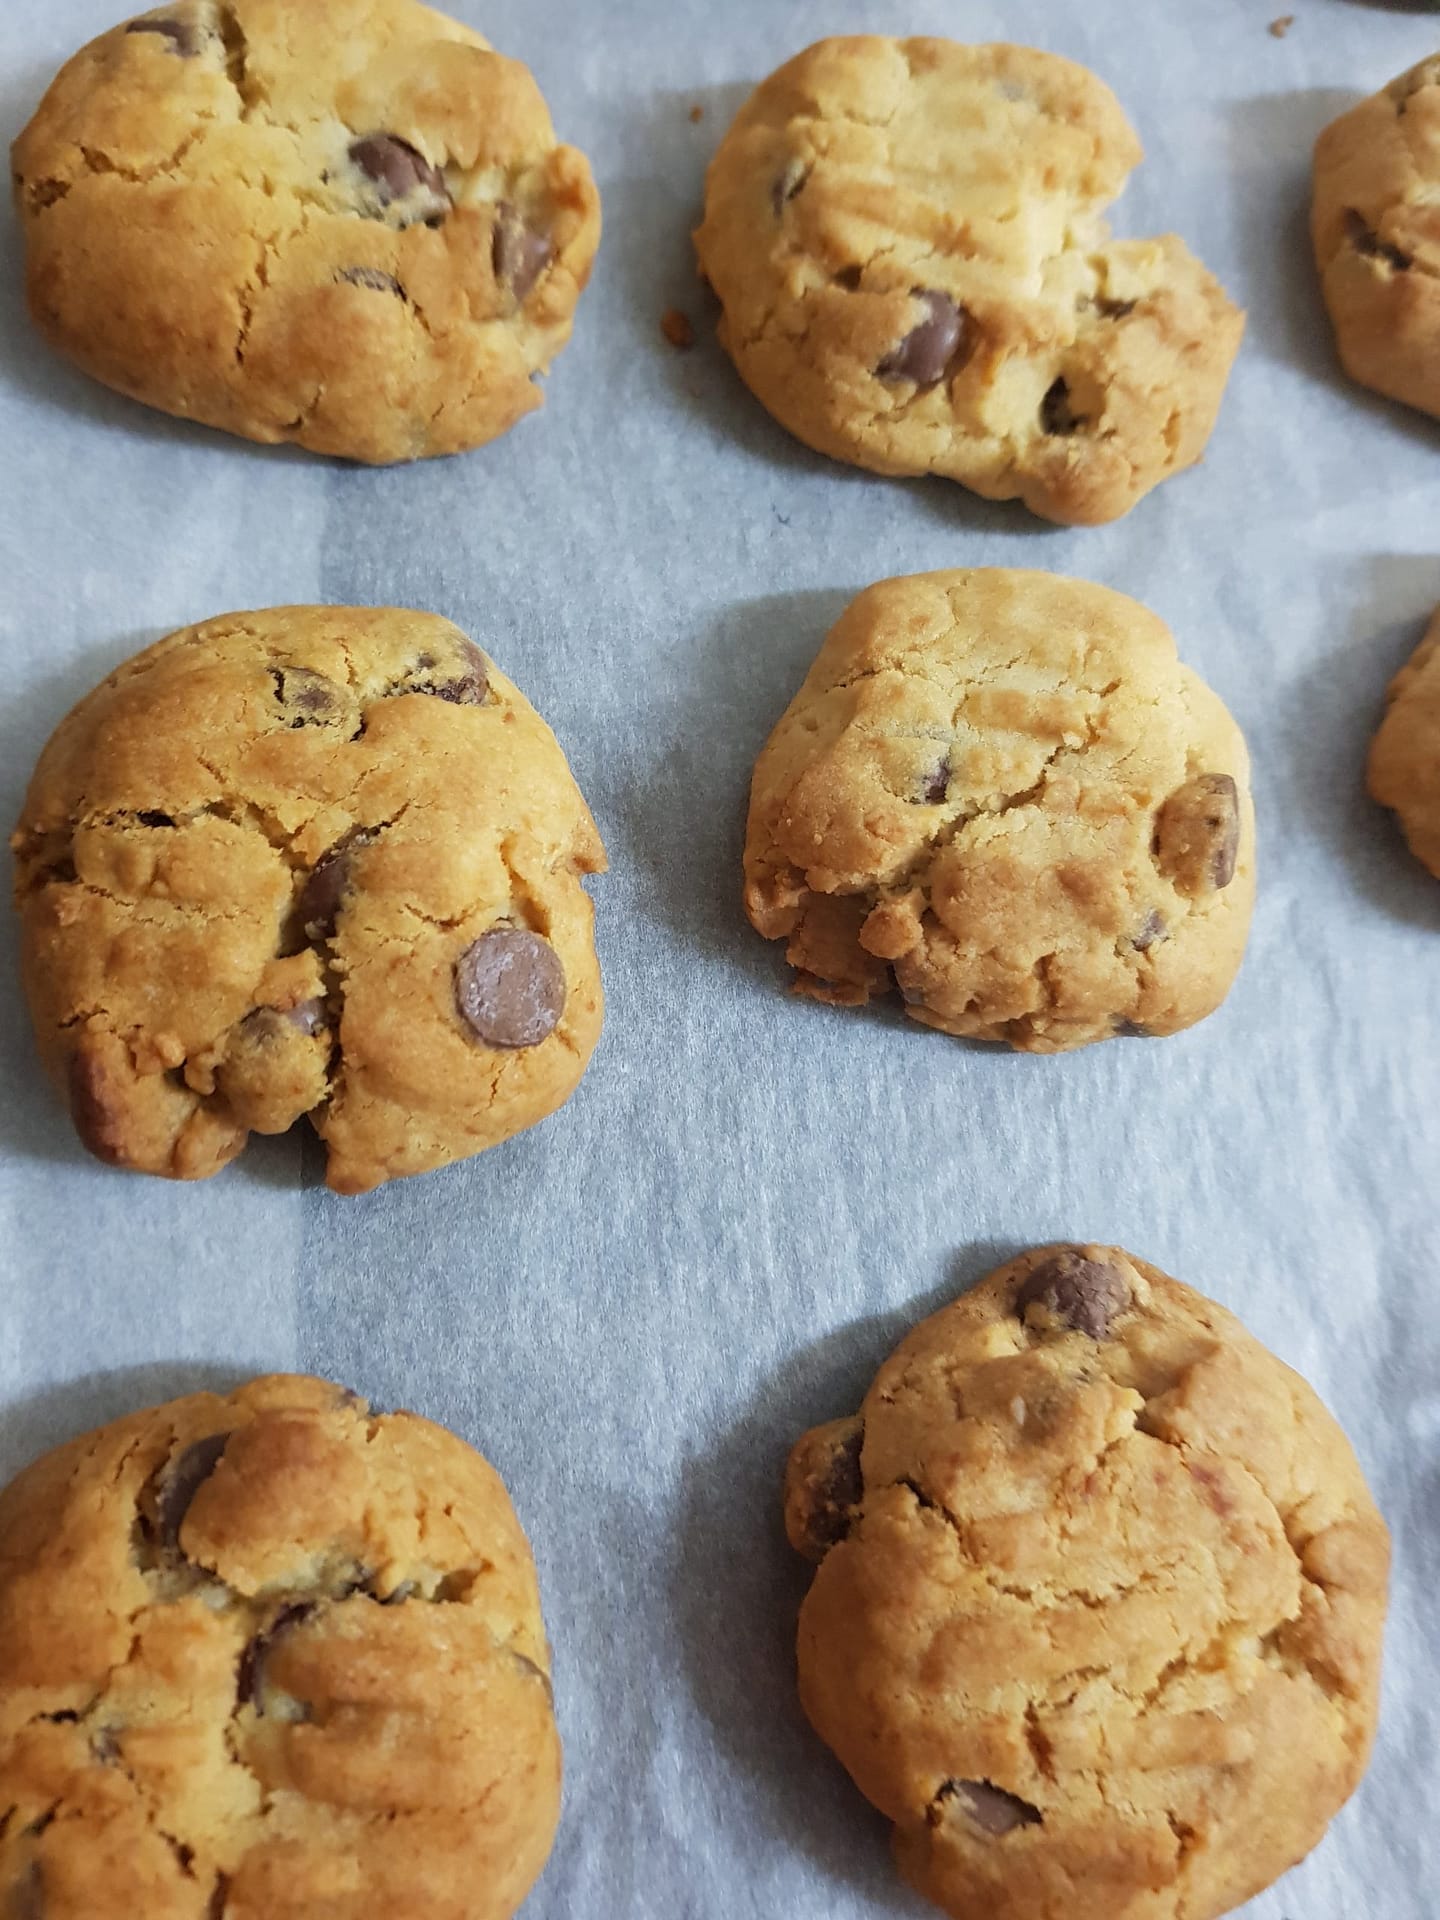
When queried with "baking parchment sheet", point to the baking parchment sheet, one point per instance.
{"points": [[633, 1309]]}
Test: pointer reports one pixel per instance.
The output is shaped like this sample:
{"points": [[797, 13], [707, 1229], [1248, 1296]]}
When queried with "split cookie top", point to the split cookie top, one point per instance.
{"points": [[317, 861], [906, 239], [344, 223]]}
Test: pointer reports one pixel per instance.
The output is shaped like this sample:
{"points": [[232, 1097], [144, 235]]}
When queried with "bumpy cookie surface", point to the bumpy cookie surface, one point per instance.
{"points": [[1002, 792], [316, 861], [1099, 1602], [905, 236], [344, 223], [1405, 756], [265, 1657], [1376, 227]]}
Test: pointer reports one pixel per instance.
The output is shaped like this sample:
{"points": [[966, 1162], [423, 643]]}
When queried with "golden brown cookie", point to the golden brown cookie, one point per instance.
{"points": [[1405, 756], [1099, 1602], [1377, 236], [268, 1656], [906, 239], [1001, 792], [344, 223], [317, 861]]}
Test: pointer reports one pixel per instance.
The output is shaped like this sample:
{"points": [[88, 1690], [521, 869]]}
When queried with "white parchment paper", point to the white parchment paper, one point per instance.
{"points": [[635, 1308]]}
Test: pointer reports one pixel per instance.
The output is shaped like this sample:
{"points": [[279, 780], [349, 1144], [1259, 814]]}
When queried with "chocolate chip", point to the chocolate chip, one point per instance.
{"points": [[401, 173], [836, 1497], [927, 350], [1364, 239], [518, 254], [849, 278], [1057, 416], [311, 698], [1083, 1295], [372, 279], [324, 891], [268, 1024], [466, 688], [152, 818], [177, 1484], [937, 784], [250, 1676], [994, 1811], [1150, 932], [1197, 834], [183, 36], [510, 988], [309, 1017]]}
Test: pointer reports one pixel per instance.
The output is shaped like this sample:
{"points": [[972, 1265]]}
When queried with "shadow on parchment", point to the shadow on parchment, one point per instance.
{"points": [[737, 1586]]}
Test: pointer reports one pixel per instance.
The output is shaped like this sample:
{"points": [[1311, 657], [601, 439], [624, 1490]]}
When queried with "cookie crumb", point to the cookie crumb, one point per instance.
{"points": [[697, 114], [1282, 26], [677, 329]]}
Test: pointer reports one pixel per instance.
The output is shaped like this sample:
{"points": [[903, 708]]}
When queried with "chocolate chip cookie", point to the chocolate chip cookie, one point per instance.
{"points": [[1099, 1599], [1405, 756], [268, 1656], [318, 861], [343, 223], [1377, 238], [1001, 792], [906, 239]]}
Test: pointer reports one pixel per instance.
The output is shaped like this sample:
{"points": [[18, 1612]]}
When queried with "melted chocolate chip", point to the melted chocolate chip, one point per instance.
{"points": [[1057, 416], [250, 1677], [324, 891], [1083, 1295], [927, 350], [518, 254], [1364, 239], [1150, 932], [311, 699], [994, 1811], [468, 687], [1197, 834], [182, 34], [268, 1024], [510, 988], [936, 784], [372, 279], [836, 1497], [402, 174], [178, 1482]]}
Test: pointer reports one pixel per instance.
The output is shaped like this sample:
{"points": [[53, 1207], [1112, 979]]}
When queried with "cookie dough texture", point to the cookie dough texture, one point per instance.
{"points": [[343, 223], [906, 239], [318, 861], [268, 1656], [1098, 1613], [1405, 756], [1377, 237], [1001, 792]]}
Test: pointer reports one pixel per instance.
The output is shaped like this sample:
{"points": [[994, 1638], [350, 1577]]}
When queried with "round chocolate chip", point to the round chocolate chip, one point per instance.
{"points": [[401, 173], [250, 1679], [178, 1482], [184, 37], [518, 254], [991, 1809], [1081, 1294], [1197, 834], [510, 988], [927, 350]]}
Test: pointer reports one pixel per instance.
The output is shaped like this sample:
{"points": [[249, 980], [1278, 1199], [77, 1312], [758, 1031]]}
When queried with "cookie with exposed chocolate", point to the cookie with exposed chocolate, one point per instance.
{"points": [[342, 223], [316, 862], [266, 1655], [1098, 1576], [906, 240], [1002, 792]]}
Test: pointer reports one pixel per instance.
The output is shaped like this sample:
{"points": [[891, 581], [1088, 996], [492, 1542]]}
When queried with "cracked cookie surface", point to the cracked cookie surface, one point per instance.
{"points": [[1376, 231], [1404, 768], [315, 861], [1099, 1600], [342, 223], [266, 1656], [905, 237], [1001, 792]]}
